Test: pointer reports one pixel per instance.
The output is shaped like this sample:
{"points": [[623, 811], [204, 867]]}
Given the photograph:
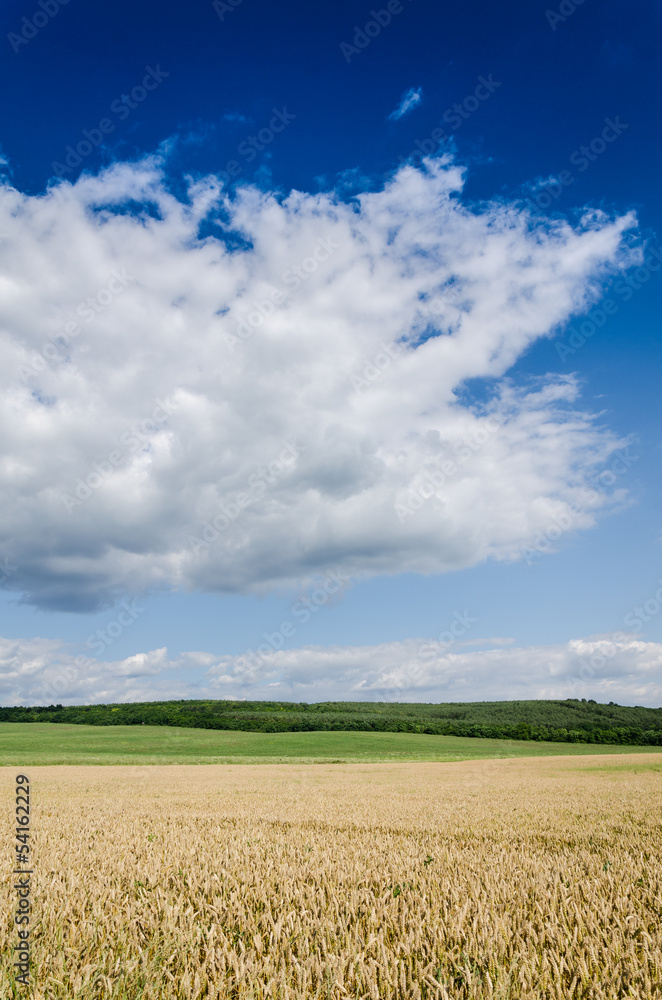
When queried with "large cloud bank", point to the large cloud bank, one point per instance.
{"points": [[233, 392], [618, 667]]}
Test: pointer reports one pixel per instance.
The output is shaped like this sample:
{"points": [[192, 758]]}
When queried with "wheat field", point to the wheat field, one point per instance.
{"points": [[535, 878]]}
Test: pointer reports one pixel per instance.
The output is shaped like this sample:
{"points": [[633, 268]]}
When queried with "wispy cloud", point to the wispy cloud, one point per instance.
{"points": [[409, 100], [235, 116]]}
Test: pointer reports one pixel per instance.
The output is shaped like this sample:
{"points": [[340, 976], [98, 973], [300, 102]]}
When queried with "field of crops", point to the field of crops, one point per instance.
{"points": [[532, 878], [32, 744]]}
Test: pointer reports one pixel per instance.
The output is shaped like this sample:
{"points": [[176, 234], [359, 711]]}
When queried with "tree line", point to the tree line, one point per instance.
{"points": [[569, 721]]}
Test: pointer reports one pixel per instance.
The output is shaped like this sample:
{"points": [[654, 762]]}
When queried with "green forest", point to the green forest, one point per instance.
{"points": [[569, 721]]}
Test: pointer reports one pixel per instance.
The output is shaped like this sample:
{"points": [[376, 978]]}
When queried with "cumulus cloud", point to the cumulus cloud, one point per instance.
{"points": [[618, 667], [232, 391], [49, 671], [409, 100], [606, 668]]}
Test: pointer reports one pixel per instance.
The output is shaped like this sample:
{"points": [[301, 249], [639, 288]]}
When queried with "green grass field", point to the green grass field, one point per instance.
{"points": [[39, 743]]}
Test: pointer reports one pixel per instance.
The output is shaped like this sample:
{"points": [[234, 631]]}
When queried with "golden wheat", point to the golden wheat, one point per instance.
{"points": [[518, 879]]}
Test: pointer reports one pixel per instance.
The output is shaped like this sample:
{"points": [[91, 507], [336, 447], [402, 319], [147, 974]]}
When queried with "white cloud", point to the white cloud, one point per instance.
{"points": [[409, 100], [608, 668], [295, 362], [48, 671], [618, 667]]}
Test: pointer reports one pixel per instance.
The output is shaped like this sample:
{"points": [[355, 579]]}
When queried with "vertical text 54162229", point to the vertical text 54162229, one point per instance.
{"points": [[23, 870]]}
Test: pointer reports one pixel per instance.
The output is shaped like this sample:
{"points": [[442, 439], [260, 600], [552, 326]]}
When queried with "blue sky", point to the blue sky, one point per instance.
{"points": [[121, 119]]}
